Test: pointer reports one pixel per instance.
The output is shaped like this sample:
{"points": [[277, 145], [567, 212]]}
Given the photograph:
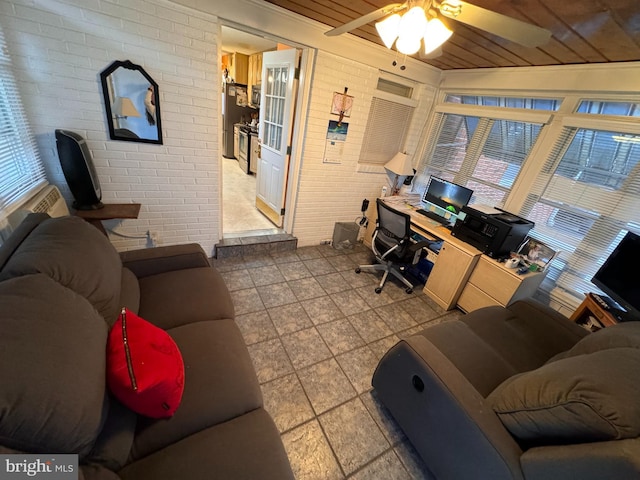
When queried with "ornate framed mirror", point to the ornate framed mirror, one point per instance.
{"points": [[132, 103]]}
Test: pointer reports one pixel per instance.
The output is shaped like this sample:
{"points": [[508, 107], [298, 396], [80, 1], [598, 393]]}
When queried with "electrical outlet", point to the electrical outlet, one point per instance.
{"points": [[153, 238]]}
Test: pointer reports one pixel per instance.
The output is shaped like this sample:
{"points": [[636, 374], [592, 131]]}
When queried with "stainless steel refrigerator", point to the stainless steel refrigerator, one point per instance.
{"points": [[235, 109]]}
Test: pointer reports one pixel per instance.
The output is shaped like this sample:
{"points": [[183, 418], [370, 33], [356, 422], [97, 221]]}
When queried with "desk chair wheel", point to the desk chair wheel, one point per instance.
{"points": [[409, 290], [358, 270], [378, 290]]}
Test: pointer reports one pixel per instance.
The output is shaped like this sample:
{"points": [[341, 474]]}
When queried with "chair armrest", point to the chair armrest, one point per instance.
{"points": [[443, 415], [152, 261], [586, 461]]}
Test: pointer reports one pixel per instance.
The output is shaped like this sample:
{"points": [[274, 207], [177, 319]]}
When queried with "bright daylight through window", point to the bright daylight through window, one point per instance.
{"points": [[21, 171]]}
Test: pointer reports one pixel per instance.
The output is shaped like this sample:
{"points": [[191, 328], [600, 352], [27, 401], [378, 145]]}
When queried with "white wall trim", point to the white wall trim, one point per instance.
{"points": [[600, 78], [307, 63]]}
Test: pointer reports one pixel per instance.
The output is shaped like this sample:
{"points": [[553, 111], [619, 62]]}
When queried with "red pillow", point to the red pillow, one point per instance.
{"points": [[145, 370]]}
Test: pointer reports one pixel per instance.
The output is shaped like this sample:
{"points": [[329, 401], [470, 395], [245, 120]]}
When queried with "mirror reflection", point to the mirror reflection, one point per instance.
{"points": [[131, 102]]}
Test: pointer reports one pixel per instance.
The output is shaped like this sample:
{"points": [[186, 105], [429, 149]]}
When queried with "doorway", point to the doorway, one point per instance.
{"points": [[241, 66]]}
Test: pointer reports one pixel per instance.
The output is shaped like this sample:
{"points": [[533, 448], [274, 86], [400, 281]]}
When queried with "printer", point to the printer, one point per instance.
{"points": [[494, 234]]}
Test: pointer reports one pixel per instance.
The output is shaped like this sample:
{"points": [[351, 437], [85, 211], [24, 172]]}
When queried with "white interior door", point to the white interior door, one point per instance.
{"points": [[276, 114]]}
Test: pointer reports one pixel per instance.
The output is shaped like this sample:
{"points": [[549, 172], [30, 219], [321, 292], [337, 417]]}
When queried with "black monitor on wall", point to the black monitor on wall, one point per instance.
{"points": [[619, 277], [448, 195]]}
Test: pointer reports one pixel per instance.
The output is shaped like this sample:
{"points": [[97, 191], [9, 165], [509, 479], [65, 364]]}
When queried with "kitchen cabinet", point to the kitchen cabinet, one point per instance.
{"points": [[238, 66], [254, 73], [492, 283], [449, 274]]}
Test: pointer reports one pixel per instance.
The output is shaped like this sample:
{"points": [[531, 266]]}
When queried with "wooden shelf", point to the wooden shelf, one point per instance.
{"points": [[110, 211]]}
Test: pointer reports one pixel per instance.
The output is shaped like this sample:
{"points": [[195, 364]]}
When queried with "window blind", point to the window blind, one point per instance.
{"points": [[584, 200], [481, 153], [21, 170], [386, 131]]}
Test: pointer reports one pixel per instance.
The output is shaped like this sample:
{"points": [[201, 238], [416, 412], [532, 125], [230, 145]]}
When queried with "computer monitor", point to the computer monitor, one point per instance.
{"points": [[448, 195]]}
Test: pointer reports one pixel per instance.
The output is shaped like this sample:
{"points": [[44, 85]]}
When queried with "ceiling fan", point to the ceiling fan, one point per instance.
{"points": [[426, 20]]}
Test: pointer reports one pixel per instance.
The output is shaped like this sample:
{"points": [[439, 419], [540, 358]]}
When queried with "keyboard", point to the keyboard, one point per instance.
{"points": [[433, 216]]}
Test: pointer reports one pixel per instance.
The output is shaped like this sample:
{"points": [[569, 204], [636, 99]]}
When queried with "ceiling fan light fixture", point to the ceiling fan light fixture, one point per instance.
{"points": [[388, 29], [408, 44], [435, 35], [413, 23]]}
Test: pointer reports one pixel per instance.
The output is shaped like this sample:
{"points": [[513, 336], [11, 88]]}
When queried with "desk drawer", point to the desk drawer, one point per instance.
{"points": [[472, 298], [494, 281]]}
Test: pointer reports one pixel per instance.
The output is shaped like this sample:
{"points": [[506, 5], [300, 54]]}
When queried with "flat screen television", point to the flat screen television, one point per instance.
{"points": [[450, 196], [619, 277]]}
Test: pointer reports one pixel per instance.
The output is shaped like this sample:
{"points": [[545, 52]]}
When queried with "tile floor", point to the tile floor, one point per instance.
{"points": [[315, 331], [239, 213]]}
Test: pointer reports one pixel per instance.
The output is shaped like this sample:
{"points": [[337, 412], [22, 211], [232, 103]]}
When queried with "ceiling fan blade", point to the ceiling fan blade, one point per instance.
{"points": [[369, 17], [506, 27]]}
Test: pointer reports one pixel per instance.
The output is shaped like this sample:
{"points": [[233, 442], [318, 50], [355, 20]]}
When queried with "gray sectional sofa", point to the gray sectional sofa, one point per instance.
{"points": [[518, 393], [62, 285]]}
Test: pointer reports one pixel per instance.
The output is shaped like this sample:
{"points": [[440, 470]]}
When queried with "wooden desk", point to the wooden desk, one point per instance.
{"points": [[590, 307], [462, 276], [110, 211]]}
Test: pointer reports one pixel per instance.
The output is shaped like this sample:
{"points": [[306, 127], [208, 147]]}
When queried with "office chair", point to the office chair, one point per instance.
{"points": [[392, 246]]}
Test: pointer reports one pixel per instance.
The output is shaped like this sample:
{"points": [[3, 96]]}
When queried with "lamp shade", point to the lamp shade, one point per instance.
{"points": [[435, 35], [388, 29], [124, 107], [400, 164]]}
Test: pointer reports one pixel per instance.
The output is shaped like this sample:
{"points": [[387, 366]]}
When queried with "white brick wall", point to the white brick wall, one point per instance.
{"points": [[330, 193], [59, 48]]}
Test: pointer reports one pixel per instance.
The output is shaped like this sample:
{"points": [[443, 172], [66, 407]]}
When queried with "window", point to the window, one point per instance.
{"points": [[505, 102], [481, 153], [584, 200], [389, 120], [21, 171], [596, 107]]}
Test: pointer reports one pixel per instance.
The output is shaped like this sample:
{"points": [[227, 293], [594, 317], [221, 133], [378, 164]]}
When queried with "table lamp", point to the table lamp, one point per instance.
{"points": [[399, 165]]}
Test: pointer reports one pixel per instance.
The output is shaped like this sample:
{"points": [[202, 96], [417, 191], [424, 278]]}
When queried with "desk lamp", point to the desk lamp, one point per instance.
{"points": [[399, 165]]}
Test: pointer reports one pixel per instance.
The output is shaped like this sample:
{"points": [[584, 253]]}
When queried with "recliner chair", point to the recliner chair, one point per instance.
{"points": [[517, 393], [393, 247]]}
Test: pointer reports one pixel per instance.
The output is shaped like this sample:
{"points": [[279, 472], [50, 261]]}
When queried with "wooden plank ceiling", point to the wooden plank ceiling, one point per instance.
{"points": [[584, 31]]}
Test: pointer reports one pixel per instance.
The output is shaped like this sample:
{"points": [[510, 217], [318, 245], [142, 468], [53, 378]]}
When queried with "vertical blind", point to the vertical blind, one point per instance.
{"points": [[21, 170]]}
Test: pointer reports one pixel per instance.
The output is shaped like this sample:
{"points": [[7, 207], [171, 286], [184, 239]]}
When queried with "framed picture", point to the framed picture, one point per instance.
{"points": [[536, 252], [341, 104]]}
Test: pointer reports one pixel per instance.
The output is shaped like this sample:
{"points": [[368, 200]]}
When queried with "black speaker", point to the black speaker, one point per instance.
{"points": [[77, 166]]}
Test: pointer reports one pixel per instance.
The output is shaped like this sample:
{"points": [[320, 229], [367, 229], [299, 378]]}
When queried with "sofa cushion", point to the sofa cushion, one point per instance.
{"points": [[52, 366], [74, 254], [245, 448], [220, 384], [114, 442], [129, 293], [584, 398], [621, 335], [525, 334], [144, 367], [22, 231], [202, 295]]}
